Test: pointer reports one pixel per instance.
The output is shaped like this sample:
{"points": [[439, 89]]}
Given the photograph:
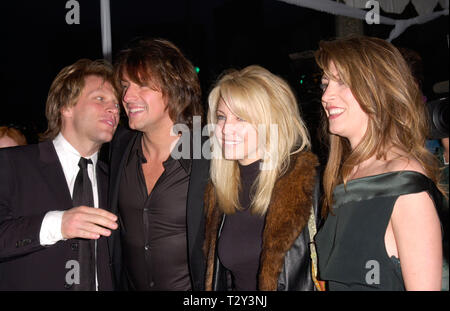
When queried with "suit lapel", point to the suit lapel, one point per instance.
{"points": [[198, 180], [104, 244], [102, 184], [53, 174], [120, 148], [119, 156]]}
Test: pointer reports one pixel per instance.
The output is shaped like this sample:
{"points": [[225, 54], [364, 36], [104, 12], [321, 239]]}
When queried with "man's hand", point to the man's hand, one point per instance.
{"points": [[87, 223]]}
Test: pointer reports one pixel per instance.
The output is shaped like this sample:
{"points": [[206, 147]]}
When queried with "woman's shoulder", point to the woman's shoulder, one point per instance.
{"points": [[403, 163], [424, 192], [392, 177]]}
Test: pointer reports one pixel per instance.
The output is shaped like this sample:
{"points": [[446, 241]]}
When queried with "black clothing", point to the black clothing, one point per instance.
{"points": [[243, 231], [32, 183], [121, 145], [350, 246], [82, 189], [154, 225], [285, 262], [83, 195]]}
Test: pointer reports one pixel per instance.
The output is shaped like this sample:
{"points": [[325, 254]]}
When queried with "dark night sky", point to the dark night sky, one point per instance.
{"points": [[214, 34]]}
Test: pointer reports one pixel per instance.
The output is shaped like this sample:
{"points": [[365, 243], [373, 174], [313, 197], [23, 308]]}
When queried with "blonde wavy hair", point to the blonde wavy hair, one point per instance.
{"points": [[381, 82], [264, 100]]}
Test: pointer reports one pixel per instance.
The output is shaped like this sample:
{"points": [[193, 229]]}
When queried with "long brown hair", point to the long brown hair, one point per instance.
{"points": [[384, 87]]}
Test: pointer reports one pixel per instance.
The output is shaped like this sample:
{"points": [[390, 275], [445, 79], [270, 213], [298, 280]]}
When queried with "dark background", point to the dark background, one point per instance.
{"points": [[36, 43]]}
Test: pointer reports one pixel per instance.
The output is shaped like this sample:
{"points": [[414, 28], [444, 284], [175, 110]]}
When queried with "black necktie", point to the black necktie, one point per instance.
{"points": [[83, 195], [82, 190]]}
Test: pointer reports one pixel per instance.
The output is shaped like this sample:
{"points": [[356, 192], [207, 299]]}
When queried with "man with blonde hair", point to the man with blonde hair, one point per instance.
{"points": [[53, 218]]}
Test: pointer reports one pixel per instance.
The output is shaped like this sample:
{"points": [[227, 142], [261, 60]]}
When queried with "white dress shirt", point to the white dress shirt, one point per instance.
{"points": [[68, 157]]}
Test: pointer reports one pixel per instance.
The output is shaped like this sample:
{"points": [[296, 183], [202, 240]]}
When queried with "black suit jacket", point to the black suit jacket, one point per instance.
{"points": [[120, 149], [32, 183]]}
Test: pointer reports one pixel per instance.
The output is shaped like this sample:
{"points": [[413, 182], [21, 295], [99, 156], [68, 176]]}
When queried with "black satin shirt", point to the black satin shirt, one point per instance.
{"points": [[154, 225]]}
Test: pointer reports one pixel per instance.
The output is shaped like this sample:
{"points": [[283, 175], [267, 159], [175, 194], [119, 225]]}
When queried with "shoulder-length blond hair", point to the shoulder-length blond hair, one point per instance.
{"points": [[382, 84], [267, 102], [67, 87]]}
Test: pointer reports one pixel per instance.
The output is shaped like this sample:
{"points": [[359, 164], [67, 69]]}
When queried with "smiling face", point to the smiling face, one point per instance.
{"points": [[345, 116], [238, 138], [145, 106], [94, 117]]}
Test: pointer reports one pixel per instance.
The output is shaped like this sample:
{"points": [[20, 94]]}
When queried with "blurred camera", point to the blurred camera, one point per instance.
{"points": [[438, 114]]}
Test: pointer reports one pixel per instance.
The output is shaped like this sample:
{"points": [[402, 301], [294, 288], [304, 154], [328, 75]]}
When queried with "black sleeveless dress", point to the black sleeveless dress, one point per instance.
{"points": [[350, 245]]}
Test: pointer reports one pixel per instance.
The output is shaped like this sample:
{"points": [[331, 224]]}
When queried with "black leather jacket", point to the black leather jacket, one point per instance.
{"points": [[295, 274]]}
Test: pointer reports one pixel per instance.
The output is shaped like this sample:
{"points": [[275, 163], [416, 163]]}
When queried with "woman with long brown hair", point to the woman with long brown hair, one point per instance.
{"points": [[382, 230]]}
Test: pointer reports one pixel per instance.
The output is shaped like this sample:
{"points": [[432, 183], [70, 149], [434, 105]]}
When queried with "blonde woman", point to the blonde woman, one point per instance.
{"points": [[382, 231], [262, 187]]}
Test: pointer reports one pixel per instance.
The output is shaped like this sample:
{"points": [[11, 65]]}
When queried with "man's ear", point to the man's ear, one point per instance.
{"points": [[67, 111]]}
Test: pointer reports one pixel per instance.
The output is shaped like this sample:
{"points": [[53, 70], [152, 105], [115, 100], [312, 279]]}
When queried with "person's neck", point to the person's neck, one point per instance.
{"points": [[375, 165], [85, 148], [157, 144], [363, 166]]}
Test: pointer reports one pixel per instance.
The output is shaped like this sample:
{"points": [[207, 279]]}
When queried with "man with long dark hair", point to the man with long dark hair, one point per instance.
{"points": [[158, 196]]}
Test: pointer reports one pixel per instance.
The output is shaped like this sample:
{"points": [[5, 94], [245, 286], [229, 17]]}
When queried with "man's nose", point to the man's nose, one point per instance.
{"points": [[129, 94], [113, 107]]}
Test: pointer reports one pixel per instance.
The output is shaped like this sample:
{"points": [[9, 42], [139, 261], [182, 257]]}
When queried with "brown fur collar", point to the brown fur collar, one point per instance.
{"points": [[286, 217]]}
